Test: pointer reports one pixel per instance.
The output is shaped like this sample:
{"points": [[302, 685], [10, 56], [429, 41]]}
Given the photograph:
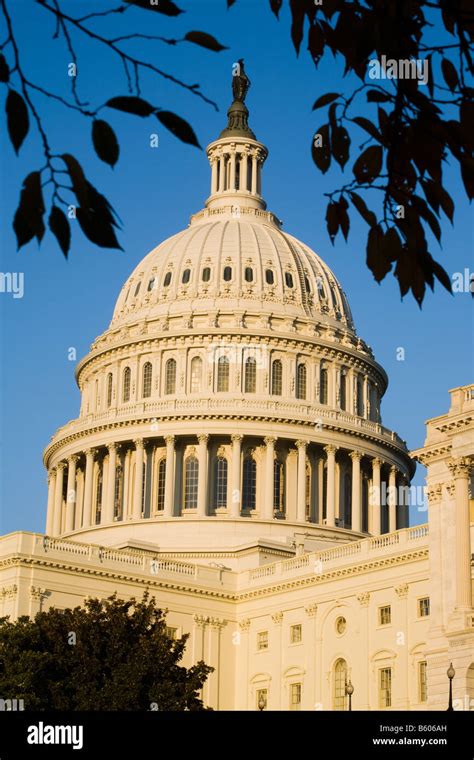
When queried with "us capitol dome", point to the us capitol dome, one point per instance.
{"points": [[230, 407]]}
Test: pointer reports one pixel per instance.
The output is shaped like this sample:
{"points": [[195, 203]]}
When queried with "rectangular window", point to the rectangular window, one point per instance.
{"points": [[295, 696], [296, 634], [262, 640], [424, 607], [262, 699], [422, 682], [385, 687], [385, 615], [171, 632]]}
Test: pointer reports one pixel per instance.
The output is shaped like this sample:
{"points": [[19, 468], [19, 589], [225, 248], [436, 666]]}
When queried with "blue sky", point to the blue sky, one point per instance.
{"points": [[68, 303]]}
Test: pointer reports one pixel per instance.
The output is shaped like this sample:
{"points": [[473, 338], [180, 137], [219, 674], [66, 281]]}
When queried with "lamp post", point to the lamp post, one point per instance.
{"points": [[450, 673], [349, 692]]}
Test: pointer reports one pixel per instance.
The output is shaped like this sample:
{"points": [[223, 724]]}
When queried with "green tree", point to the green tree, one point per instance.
{"points": [[108, 655]]}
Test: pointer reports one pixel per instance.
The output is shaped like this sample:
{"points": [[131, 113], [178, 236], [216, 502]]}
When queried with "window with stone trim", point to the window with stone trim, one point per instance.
{"points": [[342, 391], [250, 384], [339, 684], [385, 687], [385, 615], [109, 389], [191, 477], [170, 377], [223, 374], [249, 484], [301, 381], [262, 640], [220, 482], [127, 376], [196, 374], [278, 486], [296, 634], [422, 682], [146, 380], [295, 696], [277, 377], [160, 505], [323, 386], [424, 607]]}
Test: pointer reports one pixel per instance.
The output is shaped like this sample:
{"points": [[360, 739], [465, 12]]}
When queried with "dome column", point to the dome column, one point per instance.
{"points": [[51, 492], [88, 485], [232, 170], [460, 471], [58, 499], [202, 477], [169, 476], [138, 490], [254, 174], [71, 492], [269, 477], [214, 175], [244, 164], [355, 496], [108, 512], [392, 500], [221, 186], [375, 516], [236, 474], [331, 485], [301, 487]]}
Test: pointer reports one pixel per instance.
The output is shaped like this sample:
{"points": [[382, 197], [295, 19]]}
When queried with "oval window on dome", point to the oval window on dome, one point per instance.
{"points": [[137, 288], [289, 279], [151, 283], [307, 285], [248, 274], [269, 276], [206, 274], [167, 279], [186, 276], [227, 274]]}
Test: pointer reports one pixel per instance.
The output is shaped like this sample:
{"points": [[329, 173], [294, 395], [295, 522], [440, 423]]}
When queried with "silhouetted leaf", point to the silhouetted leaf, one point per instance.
{"points": [[325, 99], [78, 179], [316, 42], [340, 143], [28, 220], [369, 127], [442, 276], [131, 104], [59, 226], [321, 149], [361, 207], [105, 142], [99, 204], [161, 6], [368, 165], [467, 174], [4, 70], [343, 217], [205, 40], [297, 22], [450, 74], [18, 121], [422, 208], [377, 96], [178, 126], [96, 229], [275, 5], [378, 260], [332, 220], [430, 75]]}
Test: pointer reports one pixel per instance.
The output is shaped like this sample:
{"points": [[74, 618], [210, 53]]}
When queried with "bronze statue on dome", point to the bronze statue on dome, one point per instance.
{"points": [[240, 81]]}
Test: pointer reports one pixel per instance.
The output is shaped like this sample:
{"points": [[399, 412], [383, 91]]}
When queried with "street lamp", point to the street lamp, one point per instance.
{"points": [[349, 692], [450, 673]]}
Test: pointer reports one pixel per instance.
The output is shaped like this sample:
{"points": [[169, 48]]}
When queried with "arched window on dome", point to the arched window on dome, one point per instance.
{"points": [[249, 483], [223, 374], [206, 274], [301, 381], [167, 279], [250, 384], [269, 276], [220, 482], [186, 276], [127, 374], [323, 386], [278, 486], [289, 279], [151, 284], [98, 493], [248, 274], [307, 285], [339, 685], [170, 376], [277, 377], [146, 380], [343, 391], [360, 397], [137, 289], [196, 375], [227, 274], [160, 500], [109, 389], [191, 477]]}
